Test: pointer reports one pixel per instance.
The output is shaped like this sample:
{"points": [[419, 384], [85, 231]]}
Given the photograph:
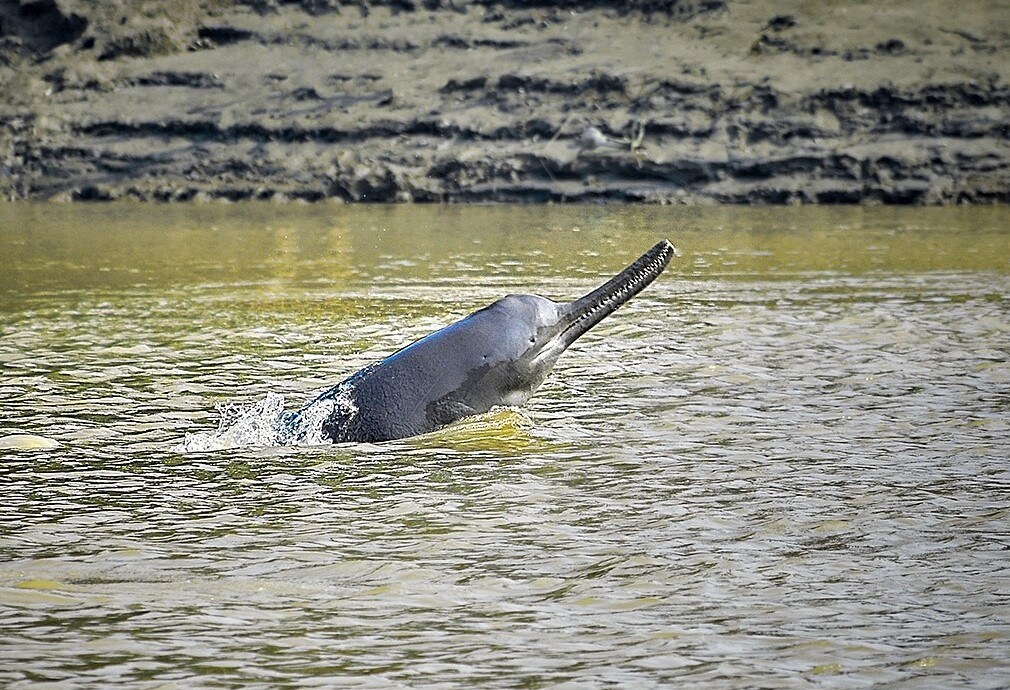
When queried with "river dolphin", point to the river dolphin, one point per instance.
{"points": [[498, 355]]}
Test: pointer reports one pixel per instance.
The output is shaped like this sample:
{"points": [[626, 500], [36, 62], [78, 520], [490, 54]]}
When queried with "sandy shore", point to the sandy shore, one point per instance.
{"points": [[688, 101]]}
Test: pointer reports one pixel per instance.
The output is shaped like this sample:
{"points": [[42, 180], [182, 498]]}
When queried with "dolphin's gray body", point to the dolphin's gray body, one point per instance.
{"points": [[498, 355]]}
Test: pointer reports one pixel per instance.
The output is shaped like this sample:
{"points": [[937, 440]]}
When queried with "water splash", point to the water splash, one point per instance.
{"points": [[265, 423], [257, 424]]}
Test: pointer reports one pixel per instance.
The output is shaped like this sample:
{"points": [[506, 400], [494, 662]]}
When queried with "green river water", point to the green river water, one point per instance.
{"points": [[783, 465]]}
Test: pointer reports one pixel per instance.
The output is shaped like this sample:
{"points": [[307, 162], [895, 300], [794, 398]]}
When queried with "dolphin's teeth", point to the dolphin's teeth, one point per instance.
{"points": [[642, 274]]}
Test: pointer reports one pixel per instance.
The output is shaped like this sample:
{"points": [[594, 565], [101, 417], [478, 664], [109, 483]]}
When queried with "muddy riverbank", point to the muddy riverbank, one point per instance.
{"points": [[691, 101]]}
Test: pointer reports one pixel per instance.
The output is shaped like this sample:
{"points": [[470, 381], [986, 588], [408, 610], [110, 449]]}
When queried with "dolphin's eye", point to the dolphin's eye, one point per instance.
{"points": [[533, 338]]}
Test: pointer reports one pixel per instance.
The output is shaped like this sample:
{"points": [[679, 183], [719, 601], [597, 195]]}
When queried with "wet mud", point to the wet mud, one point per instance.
{"points": [[675, 101]]}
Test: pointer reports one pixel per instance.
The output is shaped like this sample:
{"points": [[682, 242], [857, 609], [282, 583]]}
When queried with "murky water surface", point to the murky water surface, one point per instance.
{"points": [[783, 465]]}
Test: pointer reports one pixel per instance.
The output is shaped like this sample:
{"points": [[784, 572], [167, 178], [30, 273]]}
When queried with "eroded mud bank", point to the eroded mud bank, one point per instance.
{"points": [[661, 101]]}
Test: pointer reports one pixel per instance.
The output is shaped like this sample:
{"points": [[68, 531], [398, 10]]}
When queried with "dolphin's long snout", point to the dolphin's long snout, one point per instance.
{"points": [[587, 311]]}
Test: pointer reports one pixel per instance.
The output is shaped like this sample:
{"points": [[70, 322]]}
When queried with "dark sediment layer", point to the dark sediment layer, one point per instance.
{"points": [[435, 100]]}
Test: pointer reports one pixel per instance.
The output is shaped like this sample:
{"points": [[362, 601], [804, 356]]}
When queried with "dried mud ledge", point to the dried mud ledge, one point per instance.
{"points": [[439, 101]]}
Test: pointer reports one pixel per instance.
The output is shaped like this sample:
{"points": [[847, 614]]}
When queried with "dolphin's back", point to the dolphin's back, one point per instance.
{"points": [[417, 389]]}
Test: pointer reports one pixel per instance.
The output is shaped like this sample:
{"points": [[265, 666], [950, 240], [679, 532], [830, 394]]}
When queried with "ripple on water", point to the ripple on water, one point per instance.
{"points": [[784, 472]]}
